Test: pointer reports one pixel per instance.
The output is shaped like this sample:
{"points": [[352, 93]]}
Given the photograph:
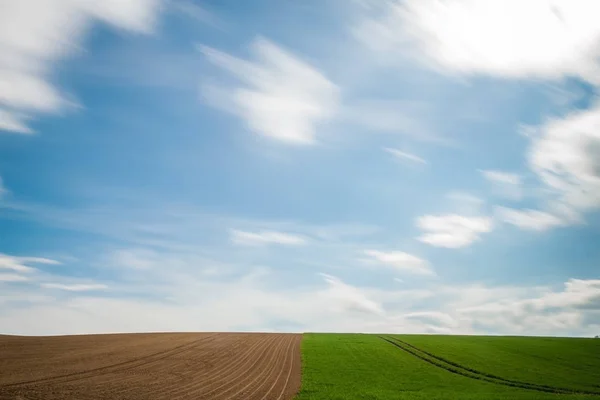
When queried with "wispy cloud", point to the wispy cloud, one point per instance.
{"points": [[19, 264], [4, 277], [546, 311], [242, 301], [266, 237], [31, 42], [501, 177], [401, 155], [196, 13], [470, 36], [452, 230], [283, 98], [75, 287], [13, 122], [332, 304], [565, 154], [529, 219], [399, 261], [350, 298], [505, 184]]}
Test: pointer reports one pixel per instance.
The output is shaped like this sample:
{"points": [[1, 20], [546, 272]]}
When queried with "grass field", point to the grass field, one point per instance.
{"points": [[354, 366], [559, 362]]}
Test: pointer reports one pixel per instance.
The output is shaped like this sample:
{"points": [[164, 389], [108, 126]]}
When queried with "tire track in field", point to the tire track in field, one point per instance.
{"points": [[264, 368], [474, 374], [486, 374], [296, 363], [246, 371], [207, 379], [111, 368], [270, 373], [283, 366], [492, 376], [242, 372], [291, 350]]}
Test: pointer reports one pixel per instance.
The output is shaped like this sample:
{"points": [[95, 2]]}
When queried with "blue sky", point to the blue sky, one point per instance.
{"points": [[370, 166]]}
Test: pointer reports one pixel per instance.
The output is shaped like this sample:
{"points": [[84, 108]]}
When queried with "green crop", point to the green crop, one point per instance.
{"points": [[358, 366]]}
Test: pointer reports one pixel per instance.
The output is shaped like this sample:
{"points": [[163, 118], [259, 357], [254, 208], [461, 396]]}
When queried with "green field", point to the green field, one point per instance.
{"points": [[356, 366]]}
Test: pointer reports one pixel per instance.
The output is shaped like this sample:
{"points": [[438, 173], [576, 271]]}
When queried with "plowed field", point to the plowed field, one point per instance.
{"points": [[151, 366]]}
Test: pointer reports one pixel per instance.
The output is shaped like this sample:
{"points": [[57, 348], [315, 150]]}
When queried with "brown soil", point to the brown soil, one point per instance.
{"points": [[149, 366]]}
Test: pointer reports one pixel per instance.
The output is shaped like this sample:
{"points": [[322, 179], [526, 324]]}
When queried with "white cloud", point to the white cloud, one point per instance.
{"points": [[12, 278], [284, 98], [399, 261], [501, 177], [577, 293], [336, 307], [435, 318], [506, 184], [183, 299], [191, 304], [195, 12], [350, 298], [19, 264], [404, 156], [565, 155], [452, 230], [471, 36], [34, 35], [573, 310], [75, 287], [266, 237], [13, 123], [529, 219]]}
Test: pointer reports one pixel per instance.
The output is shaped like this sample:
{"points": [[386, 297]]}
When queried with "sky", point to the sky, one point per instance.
{"points": [[406, 166]]}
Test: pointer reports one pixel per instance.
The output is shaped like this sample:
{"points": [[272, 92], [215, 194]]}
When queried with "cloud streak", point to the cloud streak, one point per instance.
{"points": [[505, 184], [402, 155], [501, 177], [399, 261], [283, 97], [32, 42], [75, 287], [529, 219], [19, 264], [565, 154], [452, 230], [260, 238]]}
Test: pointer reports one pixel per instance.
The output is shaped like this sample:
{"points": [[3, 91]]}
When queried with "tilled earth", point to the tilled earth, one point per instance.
{"points": [[151, 366]]}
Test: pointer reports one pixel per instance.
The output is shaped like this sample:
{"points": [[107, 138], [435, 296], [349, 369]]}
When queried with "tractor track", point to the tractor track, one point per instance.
{"points": [[458, 369]]}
